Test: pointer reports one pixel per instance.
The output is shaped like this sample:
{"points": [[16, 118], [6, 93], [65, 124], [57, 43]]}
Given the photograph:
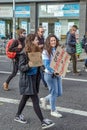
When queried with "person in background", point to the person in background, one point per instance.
{"points": [[40, 32], [27, 82], [53, 80], [15, 47], [84, 46], [71, 47]]}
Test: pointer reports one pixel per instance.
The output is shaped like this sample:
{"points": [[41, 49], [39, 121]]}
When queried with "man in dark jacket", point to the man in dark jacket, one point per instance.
{"points": [[17, 46], [40, 32], [71, 46]]}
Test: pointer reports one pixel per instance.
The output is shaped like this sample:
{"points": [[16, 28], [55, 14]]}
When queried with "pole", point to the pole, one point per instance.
{"points": [[13, 19]]}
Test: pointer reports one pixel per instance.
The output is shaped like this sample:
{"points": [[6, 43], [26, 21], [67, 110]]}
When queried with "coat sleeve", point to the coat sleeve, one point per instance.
{"points": [[23, 63]]}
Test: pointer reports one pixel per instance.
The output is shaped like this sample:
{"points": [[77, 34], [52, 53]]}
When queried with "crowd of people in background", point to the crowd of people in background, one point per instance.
{"points": [[30, 77]]}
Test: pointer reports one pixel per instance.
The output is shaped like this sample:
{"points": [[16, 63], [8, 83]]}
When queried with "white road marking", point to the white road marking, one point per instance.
{"points": [[70, 79], [62, 109], [4, 72]]}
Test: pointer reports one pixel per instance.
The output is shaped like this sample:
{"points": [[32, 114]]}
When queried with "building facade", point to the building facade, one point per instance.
{"points": [[56, 16]]}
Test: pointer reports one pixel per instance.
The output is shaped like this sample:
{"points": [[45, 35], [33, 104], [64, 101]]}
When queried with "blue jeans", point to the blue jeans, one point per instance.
{"points": [[55, 89]]}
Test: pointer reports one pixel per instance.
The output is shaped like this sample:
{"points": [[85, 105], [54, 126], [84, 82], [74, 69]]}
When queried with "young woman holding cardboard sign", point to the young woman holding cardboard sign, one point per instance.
{"points": [[52, 79], [27, 83]]}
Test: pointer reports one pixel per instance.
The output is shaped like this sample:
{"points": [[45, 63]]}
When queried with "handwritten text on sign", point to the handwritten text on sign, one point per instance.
{"points": [[60, 61]]}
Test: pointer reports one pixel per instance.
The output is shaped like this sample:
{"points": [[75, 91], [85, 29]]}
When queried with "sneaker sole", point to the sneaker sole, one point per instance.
{"points": [[20, 121], [48, 126]]}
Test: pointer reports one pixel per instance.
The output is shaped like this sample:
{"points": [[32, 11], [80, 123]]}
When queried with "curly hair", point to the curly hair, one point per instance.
{"points": [[29, 46]]}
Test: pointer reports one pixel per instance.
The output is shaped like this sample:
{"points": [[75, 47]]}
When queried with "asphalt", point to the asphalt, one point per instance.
{"points": [[71, 104]]}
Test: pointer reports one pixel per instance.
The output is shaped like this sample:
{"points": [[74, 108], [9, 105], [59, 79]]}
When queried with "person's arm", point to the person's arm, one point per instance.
{"points": [[23, 63], [46, 61], [47, 65]]}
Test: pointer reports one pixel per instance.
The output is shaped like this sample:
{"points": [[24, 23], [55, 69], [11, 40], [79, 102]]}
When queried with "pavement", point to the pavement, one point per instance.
{"points": [[72, 104]]}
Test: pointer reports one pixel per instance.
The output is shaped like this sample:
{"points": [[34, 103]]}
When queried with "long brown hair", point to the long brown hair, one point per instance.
{"points": [[47, 43], [29, 46]]}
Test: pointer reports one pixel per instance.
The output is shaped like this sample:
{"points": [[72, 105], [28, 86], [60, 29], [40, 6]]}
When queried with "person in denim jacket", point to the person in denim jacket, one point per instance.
{"points": [[71, 46], [53, 80]]}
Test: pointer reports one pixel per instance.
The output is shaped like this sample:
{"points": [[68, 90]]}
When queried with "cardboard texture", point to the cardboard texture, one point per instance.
{"points": [[35, 58], [60, 61]]}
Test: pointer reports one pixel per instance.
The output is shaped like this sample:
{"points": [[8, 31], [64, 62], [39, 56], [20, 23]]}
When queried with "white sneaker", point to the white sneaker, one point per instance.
{"points": [[56, 114], [43, 103]]}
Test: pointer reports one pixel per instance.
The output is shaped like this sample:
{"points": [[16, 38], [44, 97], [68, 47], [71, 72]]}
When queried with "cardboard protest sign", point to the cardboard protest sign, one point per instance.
{"points": [[35, 58], [60, 61]]}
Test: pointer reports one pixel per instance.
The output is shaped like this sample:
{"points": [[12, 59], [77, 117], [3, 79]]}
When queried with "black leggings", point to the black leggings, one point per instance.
{"points": [[36, 106], [14, 71]]}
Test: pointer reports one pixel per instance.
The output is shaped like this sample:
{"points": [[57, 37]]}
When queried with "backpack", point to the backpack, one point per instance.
{"points": [[9, 54]]}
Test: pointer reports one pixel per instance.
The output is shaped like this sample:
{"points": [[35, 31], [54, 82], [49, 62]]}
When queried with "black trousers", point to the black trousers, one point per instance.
{"points": [[36, 106], [14, 71]]}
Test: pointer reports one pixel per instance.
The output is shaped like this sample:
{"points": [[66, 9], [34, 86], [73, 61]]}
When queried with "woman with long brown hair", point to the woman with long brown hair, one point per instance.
{"points": [[27, 82], [53, 80]]}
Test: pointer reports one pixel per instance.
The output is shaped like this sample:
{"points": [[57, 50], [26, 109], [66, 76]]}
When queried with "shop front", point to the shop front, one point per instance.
{"points": [[55, 16], [22, 19], [58, 18]]}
